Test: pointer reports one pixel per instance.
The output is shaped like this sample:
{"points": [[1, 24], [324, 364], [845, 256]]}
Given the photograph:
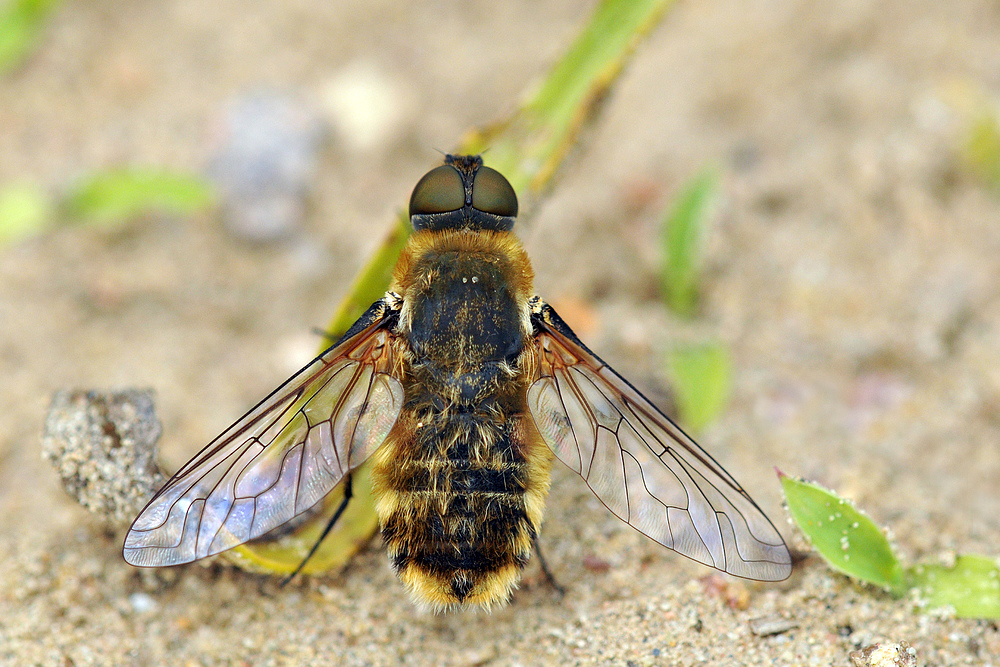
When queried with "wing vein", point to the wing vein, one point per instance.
{"points": [[665, 485], [245, 483]]}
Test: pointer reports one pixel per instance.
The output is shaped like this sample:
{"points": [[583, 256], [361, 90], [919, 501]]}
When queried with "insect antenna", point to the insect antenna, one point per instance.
{"points": [[326, 531]]}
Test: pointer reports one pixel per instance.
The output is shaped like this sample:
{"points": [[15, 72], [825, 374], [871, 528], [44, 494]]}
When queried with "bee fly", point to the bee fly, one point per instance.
{"points": [[460, 387]]}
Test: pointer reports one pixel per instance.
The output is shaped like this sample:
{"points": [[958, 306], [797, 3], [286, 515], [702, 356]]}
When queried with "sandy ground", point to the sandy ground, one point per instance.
{"points": [[852, 271]]}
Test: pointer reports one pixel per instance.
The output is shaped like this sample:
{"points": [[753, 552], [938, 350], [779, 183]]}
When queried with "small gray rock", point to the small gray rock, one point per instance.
{"points": [[885, 655], [103, 445], [265, 165]]}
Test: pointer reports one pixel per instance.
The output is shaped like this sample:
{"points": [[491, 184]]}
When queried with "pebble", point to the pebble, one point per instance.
{"points": [[103, 445], [265, 165], [771, 625], [142, 603], [366, 107], [885, 655]]}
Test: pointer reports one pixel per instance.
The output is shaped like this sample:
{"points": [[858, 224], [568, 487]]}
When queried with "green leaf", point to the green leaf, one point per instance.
{"points": [[849, 542], [24, 210], [846, 539], [971, 586], [982, 147], [683, 237], [531, 145], [21, 23], [113, 197], [701, 380]]}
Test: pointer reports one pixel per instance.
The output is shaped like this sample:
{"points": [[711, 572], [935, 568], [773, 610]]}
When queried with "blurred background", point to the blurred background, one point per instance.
{"points": [[187, 190]]}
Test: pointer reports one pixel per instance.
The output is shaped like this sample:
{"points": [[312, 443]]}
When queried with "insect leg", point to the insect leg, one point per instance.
{"points": [[545, 569], [326, 531]]}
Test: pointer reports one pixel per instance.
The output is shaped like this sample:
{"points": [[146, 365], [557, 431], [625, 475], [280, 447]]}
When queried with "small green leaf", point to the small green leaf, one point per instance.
{"points": [[529, 146], [21, 23], [701, 379], [683, 236], [846, 539], [982, 147], [971, 586], [24, 210], [114, 197]]}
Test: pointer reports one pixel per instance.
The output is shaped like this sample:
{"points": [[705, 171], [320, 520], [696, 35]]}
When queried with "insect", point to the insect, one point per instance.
{"points": [[460, 387]]}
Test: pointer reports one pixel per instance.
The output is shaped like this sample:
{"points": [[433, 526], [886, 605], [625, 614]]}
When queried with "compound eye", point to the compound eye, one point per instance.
{"points": [[492, 193], [439, 191]]}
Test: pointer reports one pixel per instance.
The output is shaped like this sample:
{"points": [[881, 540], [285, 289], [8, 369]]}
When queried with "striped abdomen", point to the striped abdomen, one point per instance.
{"points": [[460, 498]]}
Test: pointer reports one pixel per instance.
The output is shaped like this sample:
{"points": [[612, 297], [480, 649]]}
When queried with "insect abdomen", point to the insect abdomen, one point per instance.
{"points": [[460, 501]]}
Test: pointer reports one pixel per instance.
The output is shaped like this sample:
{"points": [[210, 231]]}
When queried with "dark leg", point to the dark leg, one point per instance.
{"points": [[326, 531], [545, 569]]}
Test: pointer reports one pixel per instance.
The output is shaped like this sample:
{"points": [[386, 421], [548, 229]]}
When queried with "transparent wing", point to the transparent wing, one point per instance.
{"points": [[281, 458], [641, 465]]}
